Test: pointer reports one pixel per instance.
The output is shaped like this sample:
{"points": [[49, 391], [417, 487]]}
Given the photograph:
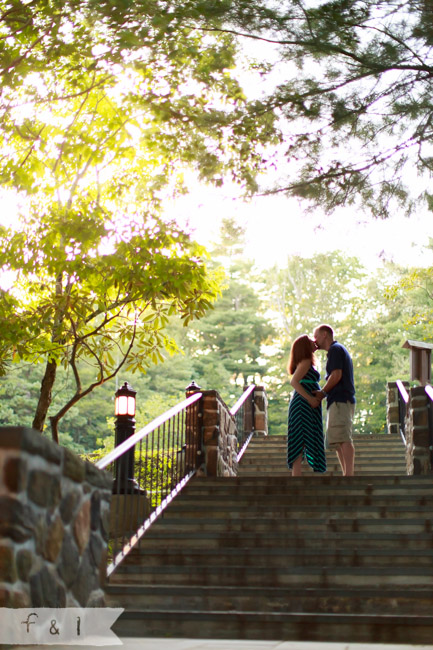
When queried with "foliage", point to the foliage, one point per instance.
{"points": [[102, 108], [72, 301], [236, 329], [303, 294], [352, 85], [373, 314], [118, 96], [335, 289]]}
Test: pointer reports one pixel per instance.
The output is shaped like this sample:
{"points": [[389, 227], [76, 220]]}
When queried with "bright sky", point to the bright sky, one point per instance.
{"points": [[277, 227]]}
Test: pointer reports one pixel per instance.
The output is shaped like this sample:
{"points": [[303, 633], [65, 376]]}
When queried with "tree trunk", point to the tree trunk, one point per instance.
{"points": [[55, 429], [45, 397]]}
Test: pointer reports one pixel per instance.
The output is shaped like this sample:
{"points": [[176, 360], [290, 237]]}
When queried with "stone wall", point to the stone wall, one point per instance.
{"points": [[219, 442], [54, 520], [417, 432], [260, 411], [219, 433], [392, 408]]}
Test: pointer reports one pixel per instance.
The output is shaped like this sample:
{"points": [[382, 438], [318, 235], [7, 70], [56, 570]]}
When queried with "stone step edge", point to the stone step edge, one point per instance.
{"points": [[355, 592], [157, 536], [223, 523], [319, 570], [348, 619], [281, 550]]}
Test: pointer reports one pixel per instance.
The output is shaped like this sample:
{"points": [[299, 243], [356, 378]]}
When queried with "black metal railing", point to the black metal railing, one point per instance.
{"points": [[243, 413], [163, 456], [429, 393], [403, 401]]}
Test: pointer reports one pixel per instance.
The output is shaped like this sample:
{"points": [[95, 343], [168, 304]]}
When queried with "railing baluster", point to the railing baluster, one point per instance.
{"points": [[161, 473], [165, 459], [403, 400], [165, 468], [429, 393], [244, 426]]}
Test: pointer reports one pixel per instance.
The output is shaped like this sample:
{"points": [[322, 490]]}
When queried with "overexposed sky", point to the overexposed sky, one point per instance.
{"points": [[277, 227]]}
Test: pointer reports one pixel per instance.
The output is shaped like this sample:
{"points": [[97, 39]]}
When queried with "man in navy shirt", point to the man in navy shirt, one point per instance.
{"points": [[339, 391]]}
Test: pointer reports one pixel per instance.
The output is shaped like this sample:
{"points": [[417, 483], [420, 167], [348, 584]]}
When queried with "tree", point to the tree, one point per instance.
{"points": [[72, 301], [354, 95], [300, 296], [127, 72], [102, 108], [234, 332]]}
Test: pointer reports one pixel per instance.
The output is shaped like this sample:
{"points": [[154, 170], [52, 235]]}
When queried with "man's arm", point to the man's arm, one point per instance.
{"points": [[332, 381]]}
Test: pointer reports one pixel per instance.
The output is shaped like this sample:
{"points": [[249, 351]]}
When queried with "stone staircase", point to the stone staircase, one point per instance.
{"points": [[374, 454], [267, 556]]}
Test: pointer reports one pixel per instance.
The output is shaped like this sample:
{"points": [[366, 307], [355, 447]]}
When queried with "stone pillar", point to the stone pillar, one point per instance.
{"points": [[418, 459], [219, 444], [392, 408], [54, 524], [260, 411]]}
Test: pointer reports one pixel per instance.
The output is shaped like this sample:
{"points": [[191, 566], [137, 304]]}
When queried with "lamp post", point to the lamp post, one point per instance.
{"points": [[191, 388], [192, 430], [125, 427]]}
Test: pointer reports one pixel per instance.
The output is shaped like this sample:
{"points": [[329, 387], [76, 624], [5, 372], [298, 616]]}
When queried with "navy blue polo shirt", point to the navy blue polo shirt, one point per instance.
{"points": [[339, 359]]}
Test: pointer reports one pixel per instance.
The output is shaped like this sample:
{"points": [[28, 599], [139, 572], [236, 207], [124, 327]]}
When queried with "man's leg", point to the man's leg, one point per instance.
{"points": [[347, 451], [341, 459]]}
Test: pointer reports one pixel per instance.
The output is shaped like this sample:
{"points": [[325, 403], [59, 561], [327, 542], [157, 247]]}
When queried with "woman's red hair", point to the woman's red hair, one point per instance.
{"points": [[301, 349]]}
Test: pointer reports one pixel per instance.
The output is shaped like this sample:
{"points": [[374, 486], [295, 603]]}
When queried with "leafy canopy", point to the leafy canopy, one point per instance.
{"points": [[353, 93], [103, 106]]}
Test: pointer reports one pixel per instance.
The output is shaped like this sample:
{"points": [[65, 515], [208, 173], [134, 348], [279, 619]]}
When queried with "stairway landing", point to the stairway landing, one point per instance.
{"points": [[379, 454]]}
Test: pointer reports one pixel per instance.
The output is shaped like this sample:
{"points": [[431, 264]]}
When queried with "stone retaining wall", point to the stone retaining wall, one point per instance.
{"points": [[392, 408], [219, 442], [54, 521], [219, 433], [417, 433], [260, 411]]}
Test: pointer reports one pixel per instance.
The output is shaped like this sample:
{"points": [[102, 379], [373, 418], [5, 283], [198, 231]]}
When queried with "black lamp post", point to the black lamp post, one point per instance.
{"points": [[191, 388], [125, 427], [192, 446]]}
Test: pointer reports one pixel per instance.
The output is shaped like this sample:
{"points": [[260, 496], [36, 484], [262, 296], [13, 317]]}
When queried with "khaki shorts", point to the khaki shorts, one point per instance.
{"points": [[339, 423]]}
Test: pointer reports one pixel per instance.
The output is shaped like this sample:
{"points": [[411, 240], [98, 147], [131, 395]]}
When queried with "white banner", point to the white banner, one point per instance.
{"points": [[68, 626]]}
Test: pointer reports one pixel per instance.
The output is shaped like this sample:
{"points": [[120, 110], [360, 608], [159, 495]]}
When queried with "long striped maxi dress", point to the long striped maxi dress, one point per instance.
{"points": [[305, 429]]}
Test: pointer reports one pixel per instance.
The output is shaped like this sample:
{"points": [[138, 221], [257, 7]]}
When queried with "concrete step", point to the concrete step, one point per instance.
{"points": [[271, 599], [363, 444], [406, 483], [283, 576], [271, 487], [246, 500], [360, 628], [213, 541], [358, 441], [258, 470], [188, 555], [272, 459], [177, 525], [374, 467], [269, 556], [267, 511]]}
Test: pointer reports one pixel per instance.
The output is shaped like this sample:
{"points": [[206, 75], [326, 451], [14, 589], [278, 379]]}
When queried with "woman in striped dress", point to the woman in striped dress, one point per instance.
{"points": [[305, 430]]}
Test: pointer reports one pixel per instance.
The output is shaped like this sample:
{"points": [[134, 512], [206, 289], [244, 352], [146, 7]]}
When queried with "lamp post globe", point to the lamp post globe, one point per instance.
{"points": [[125, 401], [125, 427]]}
